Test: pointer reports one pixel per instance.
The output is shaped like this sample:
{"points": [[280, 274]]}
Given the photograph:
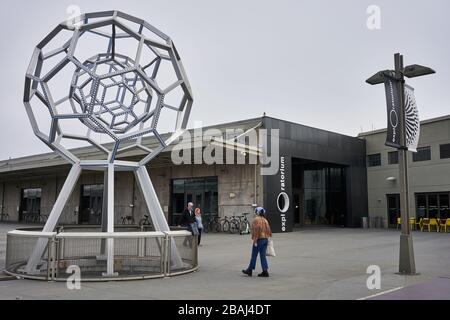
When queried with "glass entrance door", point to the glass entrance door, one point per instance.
{"points": [[202, 192], [30, 206], [393, 203], [91, 203], [196, 198], [324, 194]]}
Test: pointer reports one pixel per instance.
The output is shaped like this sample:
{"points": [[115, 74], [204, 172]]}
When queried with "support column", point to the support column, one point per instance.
{"points": [[53, 218], [104, 212], [155, 210], [407, 263], [110, 222]]}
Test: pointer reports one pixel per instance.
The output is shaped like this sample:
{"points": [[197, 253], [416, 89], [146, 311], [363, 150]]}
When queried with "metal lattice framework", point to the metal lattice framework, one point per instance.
{"points": [[118, 95], [106, 79]]}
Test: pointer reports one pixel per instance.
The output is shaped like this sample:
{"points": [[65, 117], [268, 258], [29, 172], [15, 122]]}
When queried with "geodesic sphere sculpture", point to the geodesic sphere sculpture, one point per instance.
{"points": [[106, 79]]}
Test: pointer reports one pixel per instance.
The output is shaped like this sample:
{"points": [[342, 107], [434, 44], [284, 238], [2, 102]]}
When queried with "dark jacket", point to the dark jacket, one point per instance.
{"points": [[187, 217]]}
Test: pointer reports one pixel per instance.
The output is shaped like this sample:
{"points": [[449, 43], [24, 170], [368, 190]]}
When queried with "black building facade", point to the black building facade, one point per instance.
{"points": [[322, 178]]}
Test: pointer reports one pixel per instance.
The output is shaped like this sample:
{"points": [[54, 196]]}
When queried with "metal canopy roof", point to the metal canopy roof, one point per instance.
{"points": [[49, 163]]}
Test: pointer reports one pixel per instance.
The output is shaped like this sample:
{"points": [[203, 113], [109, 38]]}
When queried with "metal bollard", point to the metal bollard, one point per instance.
{"points": [[51, 259]]}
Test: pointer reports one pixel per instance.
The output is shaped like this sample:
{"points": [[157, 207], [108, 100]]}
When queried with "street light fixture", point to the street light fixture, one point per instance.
{"points": [[378, 77], [395, 78], [416, 70]]}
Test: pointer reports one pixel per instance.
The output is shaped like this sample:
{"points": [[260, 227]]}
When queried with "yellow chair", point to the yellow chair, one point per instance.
{"points": [[412, 223], [445, 224], [425, 222], [399, 222], [418, 224], [433, 222]]}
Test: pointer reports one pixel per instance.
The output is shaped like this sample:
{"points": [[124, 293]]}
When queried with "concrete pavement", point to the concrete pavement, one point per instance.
{"points": [[314, 263]]}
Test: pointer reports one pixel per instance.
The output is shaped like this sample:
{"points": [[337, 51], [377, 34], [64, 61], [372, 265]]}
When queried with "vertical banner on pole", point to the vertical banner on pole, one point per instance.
{"points": [[412, 123], [393, 92]]}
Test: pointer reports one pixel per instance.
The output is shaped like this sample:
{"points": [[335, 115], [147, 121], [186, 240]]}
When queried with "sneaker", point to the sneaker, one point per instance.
{"points": [[247, 272], [264, 274]]}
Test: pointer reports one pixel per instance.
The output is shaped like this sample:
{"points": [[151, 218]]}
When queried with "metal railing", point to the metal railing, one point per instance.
{"points": [[137, 255]]}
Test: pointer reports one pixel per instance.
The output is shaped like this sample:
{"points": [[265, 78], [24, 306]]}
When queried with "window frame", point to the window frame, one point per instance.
{"points": [[369, 163], [389, 157], [415, 157], [441, 151]]}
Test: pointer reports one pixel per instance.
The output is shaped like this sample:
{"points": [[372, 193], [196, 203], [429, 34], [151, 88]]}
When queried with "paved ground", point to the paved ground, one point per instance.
{"points": [[320, 263]]}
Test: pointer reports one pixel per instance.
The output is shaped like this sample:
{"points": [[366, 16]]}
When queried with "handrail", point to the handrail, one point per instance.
{"points": [[32, 234], [139, 234], [114, 235], [142, 253], [178, 233]]}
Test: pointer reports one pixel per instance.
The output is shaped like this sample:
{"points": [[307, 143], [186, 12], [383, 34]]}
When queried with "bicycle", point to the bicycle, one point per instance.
{"points": [[224, 224], [127, 219], [43, 218], [145, 221], [30, 217], [97, 217], [234, 223], [211, 224], [244, 226], [4, 216]]}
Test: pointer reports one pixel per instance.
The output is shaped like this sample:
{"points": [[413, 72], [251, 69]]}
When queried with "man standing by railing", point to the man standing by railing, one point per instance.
{"points": [[188, 216], [188, 220]]}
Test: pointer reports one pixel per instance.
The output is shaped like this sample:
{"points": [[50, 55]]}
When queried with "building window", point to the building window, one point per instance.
{"points": [[433, 205], [203, 192], [422, 154], [374, 160], [91, 202], [30, 206], [445, 151], [393, 157]]}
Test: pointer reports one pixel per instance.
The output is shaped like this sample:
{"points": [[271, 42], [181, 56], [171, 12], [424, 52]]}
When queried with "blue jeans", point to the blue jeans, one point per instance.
{"points": [[261, 247]]}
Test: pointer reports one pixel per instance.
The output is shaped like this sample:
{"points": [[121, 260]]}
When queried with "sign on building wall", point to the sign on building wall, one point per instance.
{"points": [[277, 199], [283, 202]]}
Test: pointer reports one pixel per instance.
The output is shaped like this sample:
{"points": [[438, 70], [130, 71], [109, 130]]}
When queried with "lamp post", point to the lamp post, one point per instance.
{"points": [[397, 78]]}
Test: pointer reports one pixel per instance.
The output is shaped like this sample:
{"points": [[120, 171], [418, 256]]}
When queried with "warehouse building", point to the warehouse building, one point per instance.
{"points": [[319, 179], [428, 169]]}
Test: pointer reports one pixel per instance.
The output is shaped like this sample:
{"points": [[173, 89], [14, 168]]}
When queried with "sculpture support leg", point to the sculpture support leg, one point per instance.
{"points": [[110, 222], [53, 218], [104, 212], [155, 210]]}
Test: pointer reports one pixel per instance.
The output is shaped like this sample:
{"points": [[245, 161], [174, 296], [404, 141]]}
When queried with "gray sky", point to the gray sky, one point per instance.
{"points": [[303, 61]]}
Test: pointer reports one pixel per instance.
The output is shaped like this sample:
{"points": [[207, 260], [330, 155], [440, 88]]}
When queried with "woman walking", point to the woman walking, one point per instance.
{"points": [[260, 236], [198, 220]]}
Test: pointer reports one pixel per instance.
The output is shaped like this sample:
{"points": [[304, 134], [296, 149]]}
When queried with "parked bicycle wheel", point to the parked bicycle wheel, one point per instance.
{"points": [[224, 225], [216, 226], [206, 226], [126, 220], [244, 227], [234, 226], [145, 221]]}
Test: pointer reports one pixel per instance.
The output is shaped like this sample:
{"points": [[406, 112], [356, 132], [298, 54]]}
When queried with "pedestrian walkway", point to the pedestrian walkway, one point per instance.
{"points": [[435, 289], [317, 263]]}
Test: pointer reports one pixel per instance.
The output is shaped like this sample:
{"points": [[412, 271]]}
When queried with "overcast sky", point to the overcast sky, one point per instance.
{"points": [[303, 61]]}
